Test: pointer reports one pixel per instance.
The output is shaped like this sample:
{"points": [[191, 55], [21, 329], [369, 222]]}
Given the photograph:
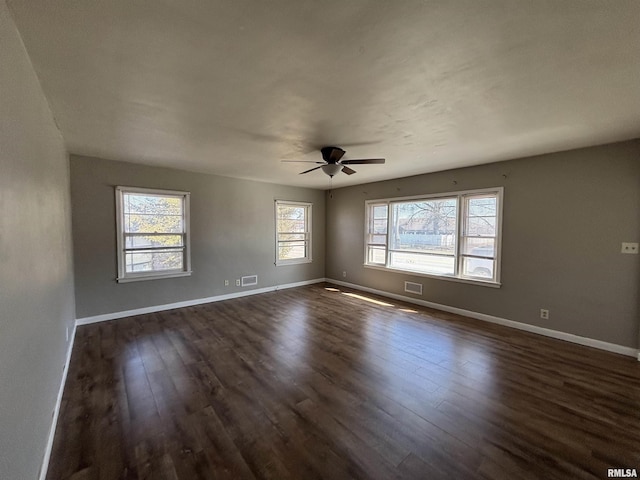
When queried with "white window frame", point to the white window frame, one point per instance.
{"points": [[460, 235], [123, 275], [308, 258]]}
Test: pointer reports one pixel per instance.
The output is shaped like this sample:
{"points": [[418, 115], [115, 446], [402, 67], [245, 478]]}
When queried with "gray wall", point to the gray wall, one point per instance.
{"points": [[232, 235], [36, 283], [565, 216]]}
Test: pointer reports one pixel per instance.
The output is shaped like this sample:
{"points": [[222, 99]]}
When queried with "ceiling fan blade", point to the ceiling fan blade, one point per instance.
{"points": [[310, 170], [362, 161], [348, 171], [337, 154]]}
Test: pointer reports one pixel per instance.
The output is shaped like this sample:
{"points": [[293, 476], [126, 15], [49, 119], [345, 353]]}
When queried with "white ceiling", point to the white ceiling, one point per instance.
{"points": [[234, 87]]}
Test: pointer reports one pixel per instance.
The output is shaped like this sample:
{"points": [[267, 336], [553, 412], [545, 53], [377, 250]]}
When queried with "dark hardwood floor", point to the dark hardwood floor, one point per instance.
{"points": [[313, 383]]}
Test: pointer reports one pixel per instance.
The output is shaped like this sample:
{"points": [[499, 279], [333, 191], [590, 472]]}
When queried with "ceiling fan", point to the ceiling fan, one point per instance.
{"points": [[333, 162]]}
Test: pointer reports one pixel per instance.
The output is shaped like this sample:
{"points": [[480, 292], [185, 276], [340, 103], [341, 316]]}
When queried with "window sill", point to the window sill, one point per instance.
{"points": [[449, 278], [284, 263], [152, 276]]}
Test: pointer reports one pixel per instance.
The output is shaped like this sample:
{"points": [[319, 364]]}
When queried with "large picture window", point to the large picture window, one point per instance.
{"points": [[293, 232], [454, 235], [153, 233]]}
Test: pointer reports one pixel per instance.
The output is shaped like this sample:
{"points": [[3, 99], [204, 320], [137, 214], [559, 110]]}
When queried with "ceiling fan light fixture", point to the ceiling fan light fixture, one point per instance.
{"points": [[331, 168]]}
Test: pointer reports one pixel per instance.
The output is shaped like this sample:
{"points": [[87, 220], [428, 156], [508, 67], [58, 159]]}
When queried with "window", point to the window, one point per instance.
{"points": [[455, 235], [153, 234], [293, 232]]}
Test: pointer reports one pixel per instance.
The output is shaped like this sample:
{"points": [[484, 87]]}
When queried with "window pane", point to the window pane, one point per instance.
{"points": [[482, 247], [292, 251], [157, 260], [481, 226], [379, 211], [380, 239], [150, 204], [145, 223], [292, 236], [419, 262], [380, 226], [376, 255], [482, 205], [152, 213], [291, 219], [478, 267], [155, 241], [481, 216], [426, 225]]}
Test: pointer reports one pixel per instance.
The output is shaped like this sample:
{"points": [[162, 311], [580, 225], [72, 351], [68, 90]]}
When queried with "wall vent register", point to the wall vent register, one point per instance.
{"points": [[249, 280], [412, 287]]}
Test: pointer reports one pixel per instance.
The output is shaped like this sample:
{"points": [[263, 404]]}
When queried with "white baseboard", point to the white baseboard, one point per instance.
{"points": [[56, 411], [547, 332], [190, 303]]}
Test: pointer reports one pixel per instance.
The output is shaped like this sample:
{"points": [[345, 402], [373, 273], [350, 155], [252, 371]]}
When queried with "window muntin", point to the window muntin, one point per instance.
{"points": [[293, 232], [454, 235], [153, 234]]}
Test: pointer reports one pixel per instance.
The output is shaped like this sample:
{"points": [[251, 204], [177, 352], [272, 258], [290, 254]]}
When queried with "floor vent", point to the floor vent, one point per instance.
{"points": [[413, 288], [253, 280]]}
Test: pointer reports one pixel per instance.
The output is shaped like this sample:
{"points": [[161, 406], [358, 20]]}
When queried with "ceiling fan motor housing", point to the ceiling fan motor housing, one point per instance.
{"points": [[332, 154]]}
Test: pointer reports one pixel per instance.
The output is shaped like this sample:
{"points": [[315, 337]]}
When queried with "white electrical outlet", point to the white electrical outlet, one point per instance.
{"points": [[544, 314], [226, 283], [629, 247], [238, 283], [344, 274]]}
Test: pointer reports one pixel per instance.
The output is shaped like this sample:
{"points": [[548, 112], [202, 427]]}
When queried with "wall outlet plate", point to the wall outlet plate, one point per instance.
{"points": [[629, 247], [544, 314], [238, 283]]}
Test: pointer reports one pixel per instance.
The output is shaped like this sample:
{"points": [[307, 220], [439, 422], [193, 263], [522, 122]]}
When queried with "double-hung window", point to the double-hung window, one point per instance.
{"points": [[453, 235], [152, 233], [293, 232]]}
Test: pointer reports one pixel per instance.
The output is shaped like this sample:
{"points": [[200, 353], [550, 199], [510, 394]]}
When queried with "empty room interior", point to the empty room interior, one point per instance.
{"points": [[319, 240]]}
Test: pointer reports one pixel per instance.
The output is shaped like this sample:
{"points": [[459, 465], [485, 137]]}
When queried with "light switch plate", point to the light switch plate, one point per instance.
{"points": [[628, 247]]}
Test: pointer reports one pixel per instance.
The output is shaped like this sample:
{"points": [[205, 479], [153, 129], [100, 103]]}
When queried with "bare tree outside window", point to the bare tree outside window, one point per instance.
{"points": [[423, 236]]}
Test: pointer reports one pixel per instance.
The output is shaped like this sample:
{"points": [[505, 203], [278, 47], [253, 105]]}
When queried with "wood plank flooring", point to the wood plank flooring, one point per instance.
{"points": [[321, 383]]}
